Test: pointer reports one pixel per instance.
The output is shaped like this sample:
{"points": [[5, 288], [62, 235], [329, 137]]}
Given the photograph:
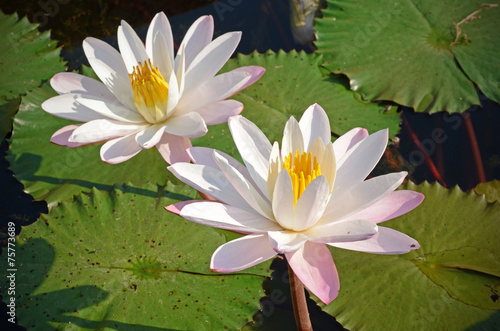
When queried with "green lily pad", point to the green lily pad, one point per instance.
{"points": [[407, 51], [55, 173], [293, 82], [491, 190], [28, 55], [448, 284], [118, 260]]}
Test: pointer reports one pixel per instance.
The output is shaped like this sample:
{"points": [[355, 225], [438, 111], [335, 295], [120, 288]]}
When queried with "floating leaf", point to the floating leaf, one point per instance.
{"points": [[407, 51], [28, 57], [118, 260], [446, 284], [491, 190]]}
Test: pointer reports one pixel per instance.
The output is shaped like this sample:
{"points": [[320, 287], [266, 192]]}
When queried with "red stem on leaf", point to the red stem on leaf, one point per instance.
{"points": [[475, 149]]}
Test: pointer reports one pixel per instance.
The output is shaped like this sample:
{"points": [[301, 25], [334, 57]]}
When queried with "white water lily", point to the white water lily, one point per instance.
{"points": [[298, 199], [147, 97]]}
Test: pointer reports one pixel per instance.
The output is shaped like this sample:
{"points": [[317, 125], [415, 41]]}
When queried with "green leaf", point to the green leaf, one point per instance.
{"points": [[491, 190], [291, 84], [406, 51], [55, 173], [118, 260], [28, 58], [447, 284]]}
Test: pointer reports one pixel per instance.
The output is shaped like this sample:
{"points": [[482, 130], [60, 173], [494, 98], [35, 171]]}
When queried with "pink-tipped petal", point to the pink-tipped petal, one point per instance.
{"points": [[241, 253], [348, 140], [392, 205], [386, 241], [66, 106], [314, 123], [174, 148], [177, 207], [120, 150], [61, 136], [70, 82], [220, 111], [255, 71], [222, 216], [313, 264], [362, 195]]}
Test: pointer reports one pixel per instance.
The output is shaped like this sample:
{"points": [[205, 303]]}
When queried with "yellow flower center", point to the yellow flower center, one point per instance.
{"points": [[150, 92], [303, 169]]}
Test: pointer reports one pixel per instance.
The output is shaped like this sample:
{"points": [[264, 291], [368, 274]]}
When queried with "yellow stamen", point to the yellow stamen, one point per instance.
{"points": [[150, 92], [303, 169]]}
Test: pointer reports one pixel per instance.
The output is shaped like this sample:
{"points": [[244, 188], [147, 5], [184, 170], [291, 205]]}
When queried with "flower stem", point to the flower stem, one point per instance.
{"points": [[299, 302]]}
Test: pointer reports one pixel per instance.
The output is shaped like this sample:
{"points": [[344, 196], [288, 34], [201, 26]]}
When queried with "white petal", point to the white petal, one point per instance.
{"points": [[160, 26], [314, 123], [286, 241], [219, 112], [174, 148], [243, 186], [386, 241], [311, 204], [120, 150], [112, 109], [65, 106], [101, 130], [173, 94], [189, 125], [348, 140], [360, 160], [210, 181], [109, 67], [360, 196], [217, 88], [254, 148], [181, 71], [292, 138], [328, 165], [275, 166], [241, 253], [203, 155], [61, 136], [317, 148], [222, 216], [70, 82], [150, 136], [211, 59], [283, 200], [131, 46], [197, 38], [160, 56], [342, 231]]}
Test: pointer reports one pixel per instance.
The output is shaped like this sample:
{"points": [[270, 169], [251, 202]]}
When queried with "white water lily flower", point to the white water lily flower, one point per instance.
{"points": [[295, 200], [147, 96]]}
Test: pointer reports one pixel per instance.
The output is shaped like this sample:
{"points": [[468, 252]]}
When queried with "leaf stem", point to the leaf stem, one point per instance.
{"points": [[299, 302]]}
